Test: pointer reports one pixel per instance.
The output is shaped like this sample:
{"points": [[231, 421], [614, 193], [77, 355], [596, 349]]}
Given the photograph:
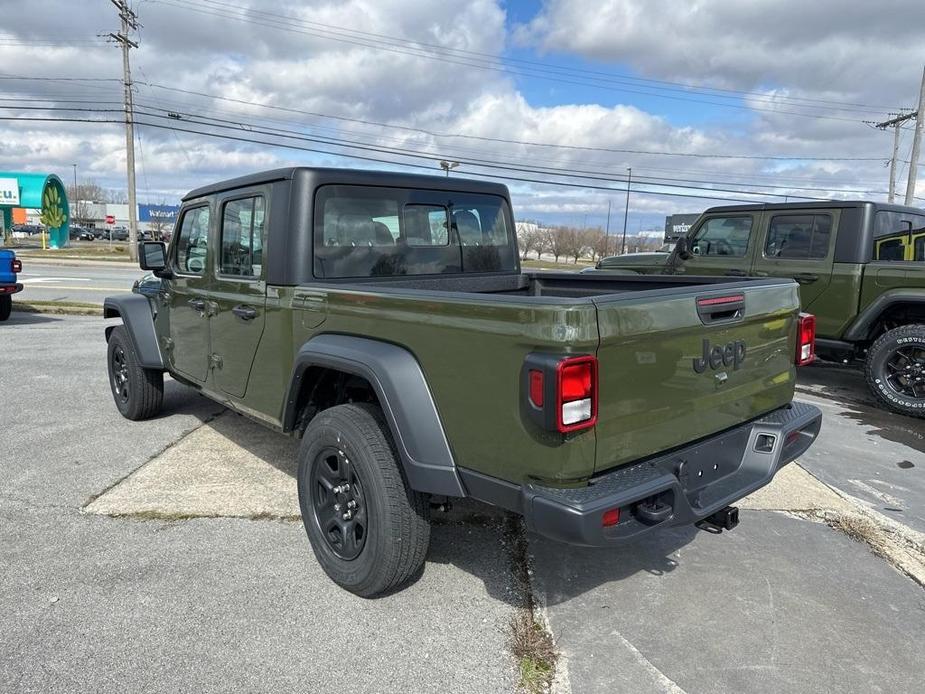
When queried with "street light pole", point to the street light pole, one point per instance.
{"points": [[626, 210], [76, 195]]}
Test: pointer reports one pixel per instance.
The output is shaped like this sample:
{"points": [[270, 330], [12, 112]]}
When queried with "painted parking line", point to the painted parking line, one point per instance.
{"points": [[85, 288]]}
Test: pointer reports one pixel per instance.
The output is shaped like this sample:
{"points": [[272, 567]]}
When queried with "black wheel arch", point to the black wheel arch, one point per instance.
{"points": [[136, 315], [894, 306], [397, 385]]}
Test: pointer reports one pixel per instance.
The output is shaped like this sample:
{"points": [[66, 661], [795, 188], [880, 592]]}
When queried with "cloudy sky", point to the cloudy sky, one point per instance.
{"points": [[708, 101]]}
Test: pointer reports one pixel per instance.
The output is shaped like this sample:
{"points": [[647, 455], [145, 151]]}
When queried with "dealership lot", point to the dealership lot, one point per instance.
{"points": [[167, 554]]}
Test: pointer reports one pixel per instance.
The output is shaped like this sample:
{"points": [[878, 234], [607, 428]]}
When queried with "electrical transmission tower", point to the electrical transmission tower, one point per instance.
{"points": [[129, 24]]}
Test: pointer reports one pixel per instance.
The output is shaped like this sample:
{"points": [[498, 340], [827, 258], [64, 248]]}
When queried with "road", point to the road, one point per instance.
{"points": [[163, 555], [76, 281]]}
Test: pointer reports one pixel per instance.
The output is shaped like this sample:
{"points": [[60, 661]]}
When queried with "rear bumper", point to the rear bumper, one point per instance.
{"points": [[694, 481], [6, 289]]}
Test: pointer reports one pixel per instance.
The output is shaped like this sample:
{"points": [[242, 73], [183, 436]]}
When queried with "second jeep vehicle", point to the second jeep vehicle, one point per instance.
{"points": [[384, 319], [861, 269]]}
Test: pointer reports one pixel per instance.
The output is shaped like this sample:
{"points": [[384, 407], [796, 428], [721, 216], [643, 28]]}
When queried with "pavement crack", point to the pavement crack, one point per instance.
{"points": [[530, 639]]}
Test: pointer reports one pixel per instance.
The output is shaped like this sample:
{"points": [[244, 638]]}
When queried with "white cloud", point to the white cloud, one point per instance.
{"points": [[846, 55]]}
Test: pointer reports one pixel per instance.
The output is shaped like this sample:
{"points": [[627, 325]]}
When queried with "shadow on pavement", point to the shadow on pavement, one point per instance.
{"points": [[28, 318], [471, 536]]}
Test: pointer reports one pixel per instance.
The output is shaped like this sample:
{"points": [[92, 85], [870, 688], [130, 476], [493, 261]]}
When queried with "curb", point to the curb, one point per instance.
{"points": [[60, 310]]}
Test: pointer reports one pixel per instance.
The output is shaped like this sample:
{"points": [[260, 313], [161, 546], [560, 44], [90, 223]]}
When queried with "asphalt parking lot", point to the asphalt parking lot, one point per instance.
{"points": [[167, 555]]}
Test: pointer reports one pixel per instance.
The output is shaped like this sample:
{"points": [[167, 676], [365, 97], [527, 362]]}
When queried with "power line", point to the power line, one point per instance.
{"points": [[286, 22], [499, 139], [473, 62], [507, 164]]}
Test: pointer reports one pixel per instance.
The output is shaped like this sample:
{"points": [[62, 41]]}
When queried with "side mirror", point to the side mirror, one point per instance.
{"points": [[683, 248], [152, 255]]}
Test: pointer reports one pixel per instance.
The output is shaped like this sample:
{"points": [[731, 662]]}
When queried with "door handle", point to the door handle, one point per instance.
{"points": [[198, 304], [736, 273], [805, 277], [762, 273], [244, 312]]}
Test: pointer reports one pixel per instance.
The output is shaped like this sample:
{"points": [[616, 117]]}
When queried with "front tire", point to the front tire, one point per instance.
{"points": [[895, 370], [369, 531], [6, 307], [137, 392]]}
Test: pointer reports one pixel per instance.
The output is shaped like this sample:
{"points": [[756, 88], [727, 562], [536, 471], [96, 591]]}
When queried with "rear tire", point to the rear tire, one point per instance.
{"points": [[137, 392], [6, 307], [372, 536], [895, 370]]}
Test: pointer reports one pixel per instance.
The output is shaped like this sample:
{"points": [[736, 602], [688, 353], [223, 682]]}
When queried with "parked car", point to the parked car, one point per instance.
{"points": [[10, 266], [384, 319], [861, 269], [80, 234]]}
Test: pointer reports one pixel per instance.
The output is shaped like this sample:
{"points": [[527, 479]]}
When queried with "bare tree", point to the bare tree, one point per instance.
{"points": [[527, 237], [596, 243], [80, 199], [160, 224], [556, 241], [116, 196]]}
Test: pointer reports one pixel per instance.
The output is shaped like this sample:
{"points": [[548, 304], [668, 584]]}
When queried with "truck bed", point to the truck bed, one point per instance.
{"points": [[471, 336], [551, 284]]}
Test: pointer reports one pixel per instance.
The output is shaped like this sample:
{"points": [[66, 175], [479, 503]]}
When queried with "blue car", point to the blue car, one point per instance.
{"points": [[9, 267]]}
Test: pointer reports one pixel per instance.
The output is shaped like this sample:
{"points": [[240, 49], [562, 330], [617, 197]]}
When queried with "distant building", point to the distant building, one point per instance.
{"points": [[678, 225]]}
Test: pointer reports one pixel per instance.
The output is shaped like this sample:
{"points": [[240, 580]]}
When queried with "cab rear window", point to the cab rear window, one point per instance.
{"points": [[366, 231], [899, 236]]}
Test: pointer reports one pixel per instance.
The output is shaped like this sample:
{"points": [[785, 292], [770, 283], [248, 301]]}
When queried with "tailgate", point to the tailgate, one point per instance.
{"points": [[657, 391]]}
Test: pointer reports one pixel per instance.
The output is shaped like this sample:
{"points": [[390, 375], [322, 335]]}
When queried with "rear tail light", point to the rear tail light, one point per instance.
{"points": [[806, 339], [17, 265], [576, 393], [561, 392]]}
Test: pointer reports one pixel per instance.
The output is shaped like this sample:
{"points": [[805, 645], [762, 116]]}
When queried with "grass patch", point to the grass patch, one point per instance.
{"points": [[534, 651], [528, 640], [101, 252], [63, 308], [550, 265]]}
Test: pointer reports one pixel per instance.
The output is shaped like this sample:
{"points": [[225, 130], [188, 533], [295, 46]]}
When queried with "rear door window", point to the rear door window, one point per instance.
{"points": [[799, 237], [242, 237], [723, 236]]}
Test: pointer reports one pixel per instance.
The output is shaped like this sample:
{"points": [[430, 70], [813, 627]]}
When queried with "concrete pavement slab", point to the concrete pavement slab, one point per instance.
{"points": [[231, 467], [114, 605], [866, 452], [778, 605]]}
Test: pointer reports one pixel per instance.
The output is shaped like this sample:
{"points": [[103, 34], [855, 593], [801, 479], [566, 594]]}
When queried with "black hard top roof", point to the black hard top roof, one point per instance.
{"points": [[354, 177], [815, 204]]}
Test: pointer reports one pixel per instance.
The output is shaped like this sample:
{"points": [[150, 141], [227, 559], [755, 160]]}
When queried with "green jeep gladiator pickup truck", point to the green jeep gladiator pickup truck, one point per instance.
{"points": [[385, 320], [861, 269]]}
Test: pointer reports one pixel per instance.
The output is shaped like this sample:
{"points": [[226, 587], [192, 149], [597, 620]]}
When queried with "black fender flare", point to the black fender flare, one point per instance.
{"points": [[861, 326], [399, 383], [135, 312]]}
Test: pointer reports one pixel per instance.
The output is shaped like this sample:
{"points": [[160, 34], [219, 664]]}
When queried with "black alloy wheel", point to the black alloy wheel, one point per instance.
{"points": [[119, 372], [905, 372], [895, 369], [338, 504]]}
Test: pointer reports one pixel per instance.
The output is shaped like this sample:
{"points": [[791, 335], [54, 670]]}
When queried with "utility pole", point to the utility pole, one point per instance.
{"points": [[895, 123], [607, 230], [129, 23], [626, 211], [916, 143]]}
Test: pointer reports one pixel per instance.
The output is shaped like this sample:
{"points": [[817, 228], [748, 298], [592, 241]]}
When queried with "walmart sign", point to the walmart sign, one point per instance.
{"points": [[158, 213]]}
